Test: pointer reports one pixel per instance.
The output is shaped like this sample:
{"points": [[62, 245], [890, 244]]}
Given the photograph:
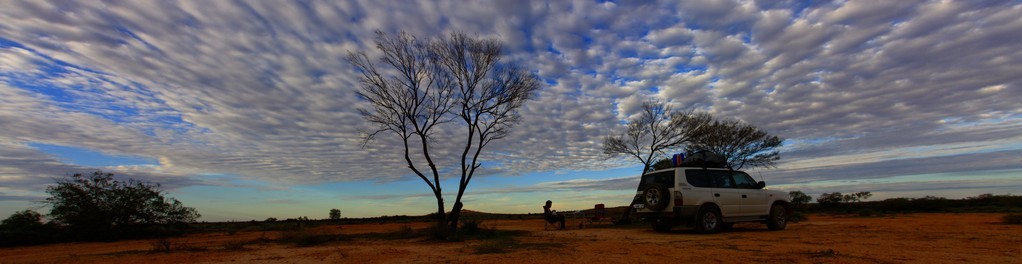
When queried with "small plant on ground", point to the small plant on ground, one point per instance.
{"points": [[235, 246], [160, 245], [866, 212], [829, 253], [470, 227], [497, 246], [796, 217], [307, 238], [405, 231], [1013, 219]]}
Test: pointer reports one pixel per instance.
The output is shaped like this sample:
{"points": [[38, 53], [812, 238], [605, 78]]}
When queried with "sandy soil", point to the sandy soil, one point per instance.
{"points": [[916, 238]]}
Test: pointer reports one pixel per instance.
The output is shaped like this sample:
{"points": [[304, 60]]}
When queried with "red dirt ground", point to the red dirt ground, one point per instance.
{"points": [[916, 238]]}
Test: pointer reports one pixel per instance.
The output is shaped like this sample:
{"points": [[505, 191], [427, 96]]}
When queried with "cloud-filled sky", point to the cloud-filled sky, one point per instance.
{"points": [[247, 109]]}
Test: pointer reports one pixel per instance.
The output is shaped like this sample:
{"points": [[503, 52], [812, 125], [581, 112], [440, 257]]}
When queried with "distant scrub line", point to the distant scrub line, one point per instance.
{"points": [[986, 203], [27, 227]]}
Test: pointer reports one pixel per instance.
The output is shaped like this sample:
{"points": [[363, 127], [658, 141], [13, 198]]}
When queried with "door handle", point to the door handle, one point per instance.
{"points": [[716, 194], [743, 196]]}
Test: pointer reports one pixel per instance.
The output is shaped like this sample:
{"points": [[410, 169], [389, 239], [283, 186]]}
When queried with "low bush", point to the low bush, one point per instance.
{"points": [[869, 213], [235, 246], [161, 245], [307, 238], [796, 217], [1012, 219]]}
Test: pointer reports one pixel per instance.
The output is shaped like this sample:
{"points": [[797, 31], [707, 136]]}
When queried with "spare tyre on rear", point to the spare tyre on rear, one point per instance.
{"points": [[655, 197]]}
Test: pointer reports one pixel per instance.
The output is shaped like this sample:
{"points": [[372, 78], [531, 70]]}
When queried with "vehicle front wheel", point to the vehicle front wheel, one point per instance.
{"points": [[778, 217], [708, 220]]}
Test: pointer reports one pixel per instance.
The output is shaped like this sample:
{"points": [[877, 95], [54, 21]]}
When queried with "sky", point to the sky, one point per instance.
{"points": [[248, 109]]}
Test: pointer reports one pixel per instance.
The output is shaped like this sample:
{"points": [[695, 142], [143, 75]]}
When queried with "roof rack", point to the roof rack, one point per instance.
{"points": [[702, 159]]}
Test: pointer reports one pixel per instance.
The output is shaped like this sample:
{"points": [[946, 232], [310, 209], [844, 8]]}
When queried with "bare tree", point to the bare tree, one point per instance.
{"points": [[657, 130], [740, 143], [488, 94], [430, 83]]}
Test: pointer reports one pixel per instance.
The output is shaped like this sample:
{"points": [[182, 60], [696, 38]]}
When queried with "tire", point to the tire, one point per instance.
{"points": [[778, 218], [661, 225], [656, 197], [708, 220]]}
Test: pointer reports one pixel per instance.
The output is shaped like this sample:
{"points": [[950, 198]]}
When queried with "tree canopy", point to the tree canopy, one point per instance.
{"points": [[658, 129], [740, 143], [98, 203]]}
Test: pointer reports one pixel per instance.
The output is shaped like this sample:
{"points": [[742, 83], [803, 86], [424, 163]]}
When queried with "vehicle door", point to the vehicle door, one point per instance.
{"points": [[724, 193], [755, 201]]}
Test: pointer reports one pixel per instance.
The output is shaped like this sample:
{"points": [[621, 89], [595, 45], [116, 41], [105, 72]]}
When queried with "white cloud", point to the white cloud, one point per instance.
{"points": [[262, 90]]}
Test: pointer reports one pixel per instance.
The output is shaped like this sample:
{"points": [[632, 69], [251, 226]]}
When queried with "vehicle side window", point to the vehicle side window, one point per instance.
{"points": [[664, 178], [697, 178], [720, 179], [743, 180]]}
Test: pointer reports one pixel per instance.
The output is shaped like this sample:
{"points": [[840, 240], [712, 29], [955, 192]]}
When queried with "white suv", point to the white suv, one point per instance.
{"points": [[708, 199]]}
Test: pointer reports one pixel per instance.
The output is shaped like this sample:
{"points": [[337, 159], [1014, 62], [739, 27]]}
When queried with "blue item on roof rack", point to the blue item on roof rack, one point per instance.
{"points": [[677, 159]]}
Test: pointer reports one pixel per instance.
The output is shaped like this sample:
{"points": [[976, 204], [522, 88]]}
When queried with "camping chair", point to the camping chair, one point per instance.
{"points": [[547, 224], [599, 214]]}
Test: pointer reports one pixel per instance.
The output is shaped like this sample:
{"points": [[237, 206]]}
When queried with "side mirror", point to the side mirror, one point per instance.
{"points": [[761, 185]]}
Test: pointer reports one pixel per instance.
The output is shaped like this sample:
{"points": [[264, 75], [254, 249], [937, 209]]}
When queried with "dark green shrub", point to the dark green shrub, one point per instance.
{"points": [[470, 227], [27, 228], [868, 213], [161, 245], [99, 207], [235, 246], [307, 238], [405, 231], [1012, 219], [796, 217]]}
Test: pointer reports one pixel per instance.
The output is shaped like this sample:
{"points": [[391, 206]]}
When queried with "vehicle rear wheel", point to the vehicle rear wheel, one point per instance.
{"points": [[778, 217], [655, 197], [708, 220], [661, 225]]}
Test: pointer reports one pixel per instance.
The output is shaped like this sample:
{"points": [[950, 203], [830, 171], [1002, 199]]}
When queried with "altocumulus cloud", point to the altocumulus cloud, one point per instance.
{"points": [[260, 89]]}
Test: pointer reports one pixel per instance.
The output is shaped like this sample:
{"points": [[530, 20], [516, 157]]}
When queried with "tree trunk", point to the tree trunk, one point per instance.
{"points": [[452, 219], [441, 220], [626, 218]]}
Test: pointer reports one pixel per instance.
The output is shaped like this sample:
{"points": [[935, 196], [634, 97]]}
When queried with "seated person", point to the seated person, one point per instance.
{"points": [[550, 216]]}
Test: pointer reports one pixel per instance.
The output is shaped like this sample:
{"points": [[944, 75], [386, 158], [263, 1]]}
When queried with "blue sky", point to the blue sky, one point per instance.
{"points": [[247, 109]]}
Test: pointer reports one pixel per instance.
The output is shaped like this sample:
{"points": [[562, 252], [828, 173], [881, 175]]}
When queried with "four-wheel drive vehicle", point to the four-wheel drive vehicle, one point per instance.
{"points": [[708, 199]]}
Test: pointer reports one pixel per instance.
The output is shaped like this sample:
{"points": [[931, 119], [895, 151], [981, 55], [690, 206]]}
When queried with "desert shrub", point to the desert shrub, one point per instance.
{"points": [[866, 212], [930, 203], [476, 229], [470, 227], [829, 253], [405, 231], [307, 238], [1013, 219], [235, 246], [160, 245], [498, 246], [799, 199], [895, 205], [99, 207], [27, 228], [797, 216], [830, 200]]}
